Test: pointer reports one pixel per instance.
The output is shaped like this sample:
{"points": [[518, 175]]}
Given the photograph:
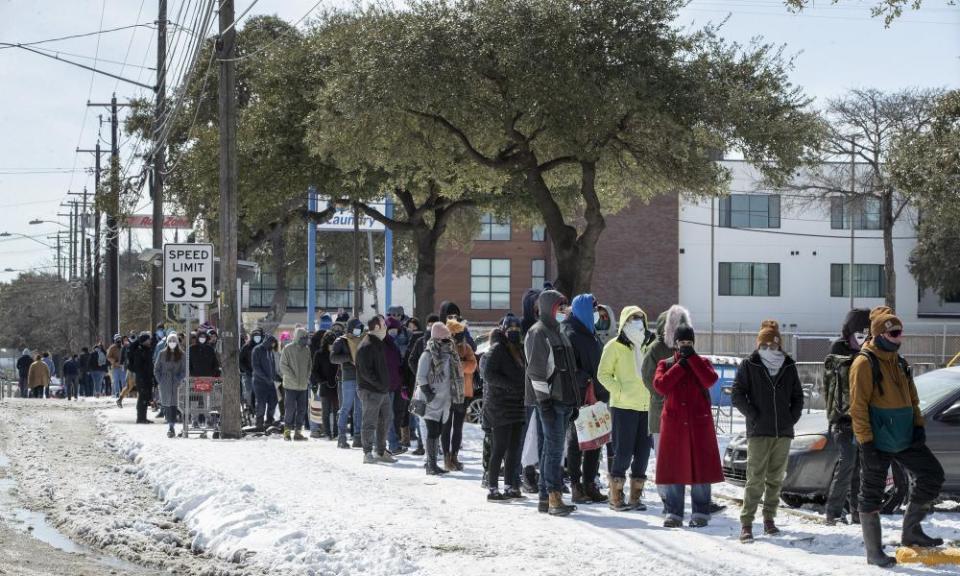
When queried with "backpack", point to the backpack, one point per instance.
{"points": [[875, 367], [836, 386], [101, 358]]}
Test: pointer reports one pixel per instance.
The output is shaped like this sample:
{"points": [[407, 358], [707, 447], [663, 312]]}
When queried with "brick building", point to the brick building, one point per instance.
{"points": [[637, 263]]}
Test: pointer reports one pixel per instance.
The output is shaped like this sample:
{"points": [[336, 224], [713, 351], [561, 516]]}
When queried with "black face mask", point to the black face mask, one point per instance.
{"points": [[886, 345], [686, 351], [513, 337], [460, 337]]}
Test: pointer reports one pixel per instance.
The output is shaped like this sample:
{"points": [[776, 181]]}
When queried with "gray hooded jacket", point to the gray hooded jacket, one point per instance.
{"points": [[551, 365]]}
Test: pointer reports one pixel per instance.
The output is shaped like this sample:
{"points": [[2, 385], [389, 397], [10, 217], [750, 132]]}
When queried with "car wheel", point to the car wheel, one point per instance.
{"points": [[895, 494], [475, 411], [793, 500]]}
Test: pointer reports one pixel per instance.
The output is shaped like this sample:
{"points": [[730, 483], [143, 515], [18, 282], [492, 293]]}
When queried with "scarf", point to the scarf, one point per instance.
{"points": [[773, 360], [353, 342], [441, 354]]}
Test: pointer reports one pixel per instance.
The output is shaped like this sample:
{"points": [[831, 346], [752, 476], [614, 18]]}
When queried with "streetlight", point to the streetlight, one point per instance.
{"points": [[18, 235], [36, 221]]}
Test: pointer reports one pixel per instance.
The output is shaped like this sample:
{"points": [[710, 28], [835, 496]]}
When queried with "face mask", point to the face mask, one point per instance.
{"points": [[257, 339], [171, 345], [202, 340], [380, 332], [860, 338], [303, 341], [596, 317], [635, 331], [393, 332], [513, 336], [886, 345], [357, 331], [560, 317], [686, 351]]}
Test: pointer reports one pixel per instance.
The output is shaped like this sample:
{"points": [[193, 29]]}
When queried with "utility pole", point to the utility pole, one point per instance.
{"points": [[357, 290], [159, 159], [113, 211], [852, 204], [229, 320], [96, 277]]}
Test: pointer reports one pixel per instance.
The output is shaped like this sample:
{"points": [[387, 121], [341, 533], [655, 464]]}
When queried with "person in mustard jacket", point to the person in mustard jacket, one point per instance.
{"points": [[452, 436], [38, 377], [619, 373], [888, 424]]}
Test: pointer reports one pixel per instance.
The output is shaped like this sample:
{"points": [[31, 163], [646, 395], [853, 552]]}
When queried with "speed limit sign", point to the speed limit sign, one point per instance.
{"points": [[187, 273]]}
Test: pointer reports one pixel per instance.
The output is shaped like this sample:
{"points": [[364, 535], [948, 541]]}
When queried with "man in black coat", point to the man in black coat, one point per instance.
{"points": [[203, 358], [141, 363], [23, 369], [373, 387]]}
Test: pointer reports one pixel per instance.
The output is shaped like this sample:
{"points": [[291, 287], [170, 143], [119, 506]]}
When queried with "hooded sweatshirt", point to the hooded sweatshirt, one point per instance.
{"points": [[652, 355], [296, 363], [587, 349], [551, 364], [263, 361], [619, 370], [529, 310], [612, 331]]}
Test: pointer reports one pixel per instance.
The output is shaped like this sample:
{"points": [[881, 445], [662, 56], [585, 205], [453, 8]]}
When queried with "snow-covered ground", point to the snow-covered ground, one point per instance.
{"points": [[310, 508]]}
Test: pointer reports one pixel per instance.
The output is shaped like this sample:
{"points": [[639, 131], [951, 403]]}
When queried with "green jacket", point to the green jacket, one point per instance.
{"points": [[619, 370], [296, 363]]}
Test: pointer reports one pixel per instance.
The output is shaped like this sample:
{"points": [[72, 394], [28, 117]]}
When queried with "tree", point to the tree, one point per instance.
{"points": [[42, 312], [864, 124], [572, 106], [889, 9], [926, 165]]}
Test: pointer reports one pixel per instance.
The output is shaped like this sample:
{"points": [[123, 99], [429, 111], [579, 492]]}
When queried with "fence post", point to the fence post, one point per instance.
{"points": [[943, 353]]}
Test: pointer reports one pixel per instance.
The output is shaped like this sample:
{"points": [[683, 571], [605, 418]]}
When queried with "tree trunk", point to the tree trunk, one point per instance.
{"points": [[890, 273], [278, 307], [425, 278]]}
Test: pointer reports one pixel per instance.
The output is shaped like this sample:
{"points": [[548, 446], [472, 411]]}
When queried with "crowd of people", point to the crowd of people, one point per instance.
{"points": [[393, 385]]}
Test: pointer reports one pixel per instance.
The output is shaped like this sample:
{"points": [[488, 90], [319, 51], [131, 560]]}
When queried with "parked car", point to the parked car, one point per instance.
{"points": [[475, 408], [813, 454]]}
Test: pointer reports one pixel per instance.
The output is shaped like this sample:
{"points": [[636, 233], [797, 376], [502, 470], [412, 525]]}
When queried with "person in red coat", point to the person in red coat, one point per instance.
{"points": [[688, 452]]}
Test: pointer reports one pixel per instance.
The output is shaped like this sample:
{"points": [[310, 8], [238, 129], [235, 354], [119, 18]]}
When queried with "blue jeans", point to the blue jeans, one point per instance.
{"points": [[70, 385], [673, 495], [554, 424], [349, 402], [393, 440], [119, 378]]}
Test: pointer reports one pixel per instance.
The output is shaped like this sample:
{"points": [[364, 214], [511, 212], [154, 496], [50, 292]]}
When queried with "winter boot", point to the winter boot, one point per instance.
{"points": [[316, 433], [405, 436], [387, 458], [288, 434], [298, 436], [431, 465], [770, 527], [594, 494], [369, 458], [357, 443], [556, 505], [616, 494], [448, 462], [636, 493], [746, 534], [419, 451], [870, 524], [529, 480], [578, 494], [912, 532], [342, 443], [457, 465], [543, 505]]}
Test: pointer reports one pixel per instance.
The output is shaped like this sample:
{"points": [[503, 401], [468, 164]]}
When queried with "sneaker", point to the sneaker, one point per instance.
{"points": [[419, 451], [514, 494], [672, 522], [495, 495], [171, 433], [698, 523], [398, 451], [369, 458], [342, 443], [746, 534], [387, 458]]}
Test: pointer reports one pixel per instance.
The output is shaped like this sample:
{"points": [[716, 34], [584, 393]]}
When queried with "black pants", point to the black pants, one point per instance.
{"points": [[452, 436], [845, 486], [917, 459], [631, 443], [505, 446], [434, 429], [581, 465], [330, 407], [144, 397]]}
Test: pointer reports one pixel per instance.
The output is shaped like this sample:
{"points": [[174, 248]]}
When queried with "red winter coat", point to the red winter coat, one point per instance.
{"points": [[688, 452]]}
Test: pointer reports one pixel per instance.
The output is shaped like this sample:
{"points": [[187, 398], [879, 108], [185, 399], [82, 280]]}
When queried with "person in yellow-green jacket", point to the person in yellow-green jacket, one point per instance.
{"points": [[619, 373], [888, 424]]}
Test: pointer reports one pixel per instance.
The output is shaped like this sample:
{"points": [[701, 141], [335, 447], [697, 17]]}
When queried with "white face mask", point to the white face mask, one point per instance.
{"points": [[635, 331], [357, 331], [560, 317], [596, 317], [202, 340], [257, 339], [860, 337], [171, 345]]}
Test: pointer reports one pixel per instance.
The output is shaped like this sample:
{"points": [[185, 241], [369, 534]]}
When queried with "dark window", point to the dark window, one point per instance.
{"points": [[749, 279], [869, 281], [492, 228], [331, 294], [750, 211], [489, 284], [865, 212]]}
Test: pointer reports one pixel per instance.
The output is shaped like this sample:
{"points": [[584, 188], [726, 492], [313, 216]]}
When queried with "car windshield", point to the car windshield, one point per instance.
{"points": [[934, 386]]}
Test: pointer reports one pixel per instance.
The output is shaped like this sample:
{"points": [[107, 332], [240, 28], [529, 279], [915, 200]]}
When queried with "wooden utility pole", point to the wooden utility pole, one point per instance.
{"points": [[96, 277], [159, 159], [229, 318]]}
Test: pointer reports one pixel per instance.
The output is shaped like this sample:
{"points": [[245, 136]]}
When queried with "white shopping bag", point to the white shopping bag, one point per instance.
{"points": [[594, 426]]}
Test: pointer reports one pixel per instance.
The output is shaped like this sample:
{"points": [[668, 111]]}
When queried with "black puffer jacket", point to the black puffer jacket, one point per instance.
{"points": [[504, 382], [372, 373], [587, 350], [772, 405], [204, 361]]}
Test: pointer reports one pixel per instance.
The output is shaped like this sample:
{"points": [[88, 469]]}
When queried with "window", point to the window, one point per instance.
{"points": [[539, 233], [750, 211], [331, 293], [492, 228], [749, 279], [489, 284], [538, 273], [868, 281], [864, 210]]}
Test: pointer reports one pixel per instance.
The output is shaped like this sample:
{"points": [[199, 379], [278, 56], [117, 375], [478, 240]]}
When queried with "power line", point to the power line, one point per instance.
{"points": [[130, 45], [72, 36], [277, 39], [84, 57]]}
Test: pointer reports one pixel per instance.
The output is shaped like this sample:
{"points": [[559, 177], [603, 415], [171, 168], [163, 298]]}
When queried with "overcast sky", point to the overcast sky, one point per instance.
{"points": [[44, 117]]}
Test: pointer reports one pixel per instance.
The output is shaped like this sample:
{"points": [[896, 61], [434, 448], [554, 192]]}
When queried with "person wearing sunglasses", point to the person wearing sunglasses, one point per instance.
{"points": [[767, 390], [889, 426]]}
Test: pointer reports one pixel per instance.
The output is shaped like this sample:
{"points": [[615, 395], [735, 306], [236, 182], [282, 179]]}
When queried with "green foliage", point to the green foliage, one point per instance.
{"points": [[42, 312], [889, 9]]}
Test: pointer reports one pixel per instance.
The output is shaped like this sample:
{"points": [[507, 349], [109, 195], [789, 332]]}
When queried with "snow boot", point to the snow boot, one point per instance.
{"points": [[577, 494], [556, 505], [770, 527], [529, 480], [594, 494], [342, 443], [369, 458], [431, 465], [457, 465], [298, 436], [357, 443], [405, 436], [386, 458], [912, 531], [746, 534], [316, 433], [494, 495], [513, 493], [672, 522], [870, 524], [288, 434], [636, 493], [616, 494], [543, 505]]}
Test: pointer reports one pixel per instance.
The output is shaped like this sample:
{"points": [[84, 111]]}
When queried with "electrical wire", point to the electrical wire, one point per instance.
{"points": [[130, 45], [72, 36], [268, 45]]}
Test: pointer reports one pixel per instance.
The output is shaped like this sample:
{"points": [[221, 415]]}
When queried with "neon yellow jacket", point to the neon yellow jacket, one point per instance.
{"points": [[619, 370]]}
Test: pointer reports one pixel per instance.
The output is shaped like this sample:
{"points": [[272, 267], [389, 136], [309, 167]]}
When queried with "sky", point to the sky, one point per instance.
{"points": [[44, 115]]}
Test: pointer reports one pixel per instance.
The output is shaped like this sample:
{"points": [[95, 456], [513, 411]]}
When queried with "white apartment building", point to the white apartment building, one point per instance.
{"points": [[784, 257]]}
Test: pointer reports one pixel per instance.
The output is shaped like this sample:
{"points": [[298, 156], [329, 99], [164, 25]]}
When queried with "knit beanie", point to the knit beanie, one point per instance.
{"points": [[684, 332], [439, 331], [883, 319], [769, 334]]}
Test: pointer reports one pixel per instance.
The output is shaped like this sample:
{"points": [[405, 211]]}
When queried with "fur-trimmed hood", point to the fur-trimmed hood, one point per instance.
{"points": [[676, 316]]}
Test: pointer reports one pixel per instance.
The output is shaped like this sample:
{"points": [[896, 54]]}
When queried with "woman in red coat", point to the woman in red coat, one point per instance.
{"points": [[688, 453]]}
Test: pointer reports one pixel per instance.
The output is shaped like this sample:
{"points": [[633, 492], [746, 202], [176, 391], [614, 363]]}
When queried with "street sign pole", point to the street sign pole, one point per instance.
{"points": [[188, 317]]}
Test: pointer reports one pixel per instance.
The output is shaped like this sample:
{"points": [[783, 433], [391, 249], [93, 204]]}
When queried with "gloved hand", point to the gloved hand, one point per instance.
{"points": [[429, 392], [683, 362], [919, 435], [546, 410], [870, 455]]}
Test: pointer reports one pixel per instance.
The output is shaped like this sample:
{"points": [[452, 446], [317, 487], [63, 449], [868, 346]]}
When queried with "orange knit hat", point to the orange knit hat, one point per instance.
{"points": [[883, 319], [769, 334]]}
